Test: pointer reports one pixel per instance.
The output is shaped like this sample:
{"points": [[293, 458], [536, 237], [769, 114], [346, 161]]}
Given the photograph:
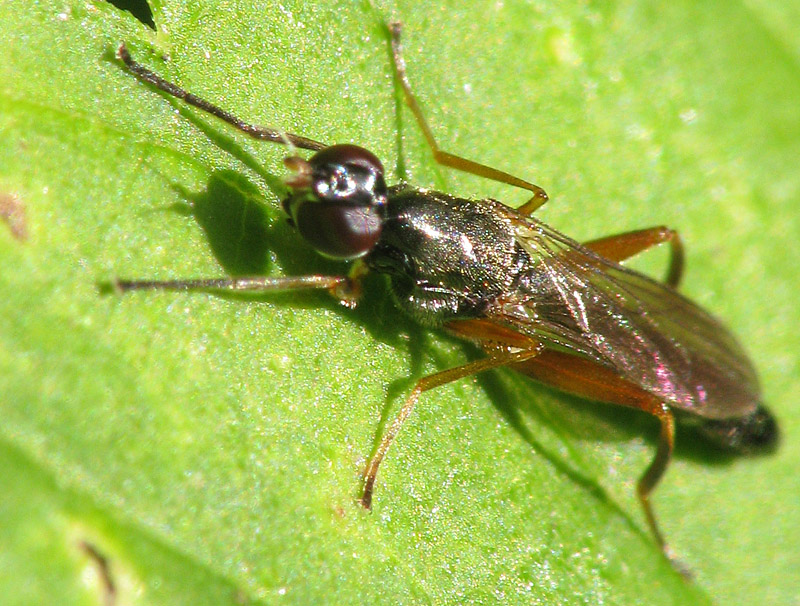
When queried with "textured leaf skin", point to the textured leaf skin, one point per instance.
{"points": [[211, 447]]}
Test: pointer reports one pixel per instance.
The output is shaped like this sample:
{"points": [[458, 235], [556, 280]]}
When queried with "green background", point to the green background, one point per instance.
{"points": [[210, 447]]}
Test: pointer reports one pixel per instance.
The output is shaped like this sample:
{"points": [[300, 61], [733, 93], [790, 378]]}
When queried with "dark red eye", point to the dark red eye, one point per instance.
{"points": [[347, 173], [346, 154], [341, 212], [340, 231]]}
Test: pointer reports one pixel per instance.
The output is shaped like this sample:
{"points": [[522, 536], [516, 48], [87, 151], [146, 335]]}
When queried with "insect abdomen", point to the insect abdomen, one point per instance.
{"points": [[756, 432]]}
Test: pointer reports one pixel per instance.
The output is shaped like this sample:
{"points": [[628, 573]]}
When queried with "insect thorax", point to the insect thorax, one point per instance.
{"points": [[445, 256]]}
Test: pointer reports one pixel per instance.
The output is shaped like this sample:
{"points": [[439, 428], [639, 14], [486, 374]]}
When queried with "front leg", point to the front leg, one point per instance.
{"points": [[345, 288]]}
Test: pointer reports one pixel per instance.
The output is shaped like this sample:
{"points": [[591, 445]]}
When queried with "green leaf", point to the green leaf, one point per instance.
{"points": [[210, 447]]}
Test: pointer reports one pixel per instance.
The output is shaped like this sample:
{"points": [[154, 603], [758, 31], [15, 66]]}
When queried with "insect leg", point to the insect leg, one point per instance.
{"points": [[445, 158], [588, 379], [345, 288], [257, 132], [424, 384], [623, 246], [653, 474]]}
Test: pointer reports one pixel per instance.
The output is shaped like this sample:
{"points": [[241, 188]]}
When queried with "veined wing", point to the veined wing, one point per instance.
{"points": [[573, 299]]}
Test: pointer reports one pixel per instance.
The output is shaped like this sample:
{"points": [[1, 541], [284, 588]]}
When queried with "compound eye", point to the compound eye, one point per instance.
{"points": [[347, 173], [340, 207], [339, 230], [346, 154], [335, 183], [338, 200]]}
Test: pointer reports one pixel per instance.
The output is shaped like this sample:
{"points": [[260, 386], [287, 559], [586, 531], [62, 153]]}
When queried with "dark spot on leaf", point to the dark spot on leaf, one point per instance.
{"points": [[13, 213], [138, 8], [103, 571]]}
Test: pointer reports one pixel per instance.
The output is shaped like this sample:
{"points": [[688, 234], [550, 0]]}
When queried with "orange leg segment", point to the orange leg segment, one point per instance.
{"points": [[445, 158], [623, 246], [590, 380], [429, 382]]}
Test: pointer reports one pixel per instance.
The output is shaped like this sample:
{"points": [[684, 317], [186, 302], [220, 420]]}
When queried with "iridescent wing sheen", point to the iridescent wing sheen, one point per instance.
{"points": [[574, 300]]}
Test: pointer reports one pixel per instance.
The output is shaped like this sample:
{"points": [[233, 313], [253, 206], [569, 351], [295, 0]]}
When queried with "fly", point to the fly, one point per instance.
{"points": [[564, 313]]}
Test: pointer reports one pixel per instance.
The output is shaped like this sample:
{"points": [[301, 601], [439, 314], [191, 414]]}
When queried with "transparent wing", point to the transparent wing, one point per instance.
{"points": [[572, 299]]}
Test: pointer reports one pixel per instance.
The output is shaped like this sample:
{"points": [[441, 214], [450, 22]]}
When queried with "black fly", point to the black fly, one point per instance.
{"points": [[567, 314]]}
